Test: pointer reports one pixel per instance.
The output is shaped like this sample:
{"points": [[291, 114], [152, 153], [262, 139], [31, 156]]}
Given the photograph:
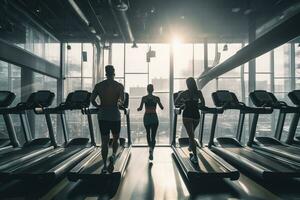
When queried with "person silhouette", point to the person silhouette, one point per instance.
{"points": [[111, 95], [191, 116], [150, 119]]}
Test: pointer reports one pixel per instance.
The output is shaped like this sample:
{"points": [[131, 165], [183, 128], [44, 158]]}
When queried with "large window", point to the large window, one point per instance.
{"points": [[10, 80], [79, 76], [273, 73]]}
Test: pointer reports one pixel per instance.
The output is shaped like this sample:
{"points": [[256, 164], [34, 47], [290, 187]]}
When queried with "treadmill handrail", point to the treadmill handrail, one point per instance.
{"points": [[94, 110]]}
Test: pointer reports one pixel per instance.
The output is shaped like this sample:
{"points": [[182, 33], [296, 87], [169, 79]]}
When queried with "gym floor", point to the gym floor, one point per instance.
{"points": [[160, 180]]}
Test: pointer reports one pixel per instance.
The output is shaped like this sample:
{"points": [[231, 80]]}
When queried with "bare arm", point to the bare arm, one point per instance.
{"points": [[159, 103], [179, 98], [121, 95], [202, 103], [94, 95], [141, 105]]}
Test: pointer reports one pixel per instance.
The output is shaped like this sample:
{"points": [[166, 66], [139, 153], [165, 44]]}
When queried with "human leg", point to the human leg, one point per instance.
{"points": [[189, 126], [104, 142], [115, 129]]}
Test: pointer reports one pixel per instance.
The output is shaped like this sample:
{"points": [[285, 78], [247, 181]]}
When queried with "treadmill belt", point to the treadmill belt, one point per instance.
{"points": [[282, 148], [206, 164], [23, 154], [254, 157], [95, 166], [49, 163]]}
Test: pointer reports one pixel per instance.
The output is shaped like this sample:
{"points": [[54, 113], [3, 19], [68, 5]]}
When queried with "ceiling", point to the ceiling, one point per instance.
{"points": [[149, 20]]}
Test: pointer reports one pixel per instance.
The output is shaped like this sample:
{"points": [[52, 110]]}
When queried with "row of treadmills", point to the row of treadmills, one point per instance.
{"points": [[42, 160], [265, 158]]}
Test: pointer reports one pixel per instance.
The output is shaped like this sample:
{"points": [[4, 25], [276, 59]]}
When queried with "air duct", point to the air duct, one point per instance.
{"points": [[122, 21]]}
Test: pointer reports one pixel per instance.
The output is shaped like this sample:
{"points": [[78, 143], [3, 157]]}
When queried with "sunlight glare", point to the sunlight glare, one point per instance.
{"points": [[176, 40]]}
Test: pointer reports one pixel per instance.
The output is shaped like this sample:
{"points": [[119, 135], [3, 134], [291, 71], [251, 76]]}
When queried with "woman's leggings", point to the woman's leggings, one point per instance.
{"points": [[151, 130]]}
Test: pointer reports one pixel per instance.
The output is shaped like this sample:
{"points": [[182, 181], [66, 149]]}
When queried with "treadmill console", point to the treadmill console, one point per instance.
{"points": [[6, 98], [262, 98], [78, 99], [224, 97], [295, 97], [42, 98]]}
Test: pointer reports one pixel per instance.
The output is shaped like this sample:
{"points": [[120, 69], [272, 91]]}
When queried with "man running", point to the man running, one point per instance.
{"points": [[111, 95]]}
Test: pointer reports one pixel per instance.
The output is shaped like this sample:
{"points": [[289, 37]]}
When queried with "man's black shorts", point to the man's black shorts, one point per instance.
{"points": [[109, 126]]}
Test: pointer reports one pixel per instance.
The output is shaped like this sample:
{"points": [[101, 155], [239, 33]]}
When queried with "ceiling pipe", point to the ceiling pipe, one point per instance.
{"points": [[84, 20], [79, 12], [90, 14], [122, 22], [279, 35]]}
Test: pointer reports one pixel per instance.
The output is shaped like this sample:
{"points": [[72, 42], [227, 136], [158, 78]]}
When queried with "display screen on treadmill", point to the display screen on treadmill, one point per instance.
{"points": [[297, 94], [225, 97], [263, 96], [3, 96]]}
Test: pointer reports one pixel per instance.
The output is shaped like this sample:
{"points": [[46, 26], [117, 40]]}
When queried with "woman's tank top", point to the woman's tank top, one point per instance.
{"points": [[191, 107]]}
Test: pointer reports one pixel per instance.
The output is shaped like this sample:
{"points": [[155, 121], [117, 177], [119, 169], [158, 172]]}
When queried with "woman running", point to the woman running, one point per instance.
{"points": [[150, 117], [191, 116]]}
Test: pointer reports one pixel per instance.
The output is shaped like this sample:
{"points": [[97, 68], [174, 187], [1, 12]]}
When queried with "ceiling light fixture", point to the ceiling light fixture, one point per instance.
{"points": [[235, 10], [225, 47], [121, 5]]}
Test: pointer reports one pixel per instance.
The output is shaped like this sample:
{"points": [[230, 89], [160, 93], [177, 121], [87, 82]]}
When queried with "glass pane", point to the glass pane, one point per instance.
{"points": [[183, 60], [73, 60], [77, 124], [159, 67], [264, 126], [87, 84], [138, 132], [106, 54], [136, 84], [231, 84], [118, 59], [263, 82], [227, 124], [179, 84], [198, 59], [297, 59], [42, 82], [232, 48], [163, 132], [4, 85], [207, 90], [71, 84], [282, 61], [263, 63], [136, 58], [211, 51], [87, 66], [282, 84]]}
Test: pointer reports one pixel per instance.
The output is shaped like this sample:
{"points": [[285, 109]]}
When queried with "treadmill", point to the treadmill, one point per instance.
{"points": [[245, 158], [32, 147], [272, 145], [90, 168], [6, 99], [210, 167], [47, 169], [292, 139]]}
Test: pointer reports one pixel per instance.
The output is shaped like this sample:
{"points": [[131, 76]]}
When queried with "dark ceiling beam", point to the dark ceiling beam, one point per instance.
{"points": [[279, 35], [83, 21], [22, 58], [122, 23], [20, 7], [290, 11], [90, 13]]}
